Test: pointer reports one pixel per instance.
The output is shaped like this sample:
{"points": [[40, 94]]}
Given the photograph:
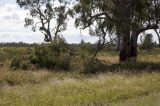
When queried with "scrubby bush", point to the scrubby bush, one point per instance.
{"points": [[20, 62], [20, 57], [54, 55], [87, 50], [86, 60], [109, 47], [2, 57], [7, 53], [92, 66], [147, 43]]}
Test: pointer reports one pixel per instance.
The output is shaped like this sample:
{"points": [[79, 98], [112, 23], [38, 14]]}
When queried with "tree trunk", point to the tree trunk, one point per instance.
{"points": [[125, 48], [133, 46], [118, 43], [125, 29]]}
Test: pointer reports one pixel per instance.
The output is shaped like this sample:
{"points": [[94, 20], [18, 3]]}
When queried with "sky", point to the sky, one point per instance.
{"points": [[12, 27]]}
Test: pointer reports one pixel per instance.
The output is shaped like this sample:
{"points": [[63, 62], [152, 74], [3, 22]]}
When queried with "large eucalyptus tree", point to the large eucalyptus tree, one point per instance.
{"points": [[127, 18]]}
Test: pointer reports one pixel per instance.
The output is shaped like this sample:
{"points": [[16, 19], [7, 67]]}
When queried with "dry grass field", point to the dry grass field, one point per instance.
{"points": [[56, 88]]}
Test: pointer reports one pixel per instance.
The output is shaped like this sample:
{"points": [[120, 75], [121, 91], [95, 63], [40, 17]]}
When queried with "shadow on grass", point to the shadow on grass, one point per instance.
{"points": [[136, 66], [132, 67]]}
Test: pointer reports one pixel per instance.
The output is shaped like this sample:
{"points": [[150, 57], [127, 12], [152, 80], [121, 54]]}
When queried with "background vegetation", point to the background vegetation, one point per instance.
{"points": [[26, 79]]}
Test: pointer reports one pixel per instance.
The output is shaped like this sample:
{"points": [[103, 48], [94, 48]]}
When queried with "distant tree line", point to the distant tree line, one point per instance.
{"points": [[20, 44]]}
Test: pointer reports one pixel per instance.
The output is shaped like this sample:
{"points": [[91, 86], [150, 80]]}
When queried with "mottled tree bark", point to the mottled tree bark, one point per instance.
{"points": [[118, 43], [133, 46], [125, 47]]}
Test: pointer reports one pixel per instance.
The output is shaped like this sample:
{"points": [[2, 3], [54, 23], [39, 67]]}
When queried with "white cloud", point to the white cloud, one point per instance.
{"points": [[8, 7], [13, 16], [12, 11], [12, 28]]}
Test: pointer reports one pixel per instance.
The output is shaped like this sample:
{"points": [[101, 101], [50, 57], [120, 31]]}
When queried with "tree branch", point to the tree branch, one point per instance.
{"points": [[147, 28]]}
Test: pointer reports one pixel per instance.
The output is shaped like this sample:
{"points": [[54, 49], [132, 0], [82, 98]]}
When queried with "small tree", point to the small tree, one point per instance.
{"points": [[48, 16], [147, 43]]}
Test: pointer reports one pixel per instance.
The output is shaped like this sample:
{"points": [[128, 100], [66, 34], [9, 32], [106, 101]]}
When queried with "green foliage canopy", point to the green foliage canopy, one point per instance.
{"points": [[49, 16]]}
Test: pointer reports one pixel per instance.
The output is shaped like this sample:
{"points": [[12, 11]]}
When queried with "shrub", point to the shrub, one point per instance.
{"points": [[92, 66], [147, 43], [54, 55], [20, 62], [87, 50], [2, 57], [85, 60]]}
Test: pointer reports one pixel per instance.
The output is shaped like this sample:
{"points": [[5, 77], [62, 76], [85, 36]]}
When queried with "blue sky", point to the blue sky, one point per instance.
{"points": [[12, 27]]}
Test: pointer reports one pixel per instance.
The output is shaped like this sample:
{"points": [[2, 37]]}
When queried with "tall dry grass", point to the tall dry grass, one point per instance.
{"points": [[101, 90], [57, 88]]}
